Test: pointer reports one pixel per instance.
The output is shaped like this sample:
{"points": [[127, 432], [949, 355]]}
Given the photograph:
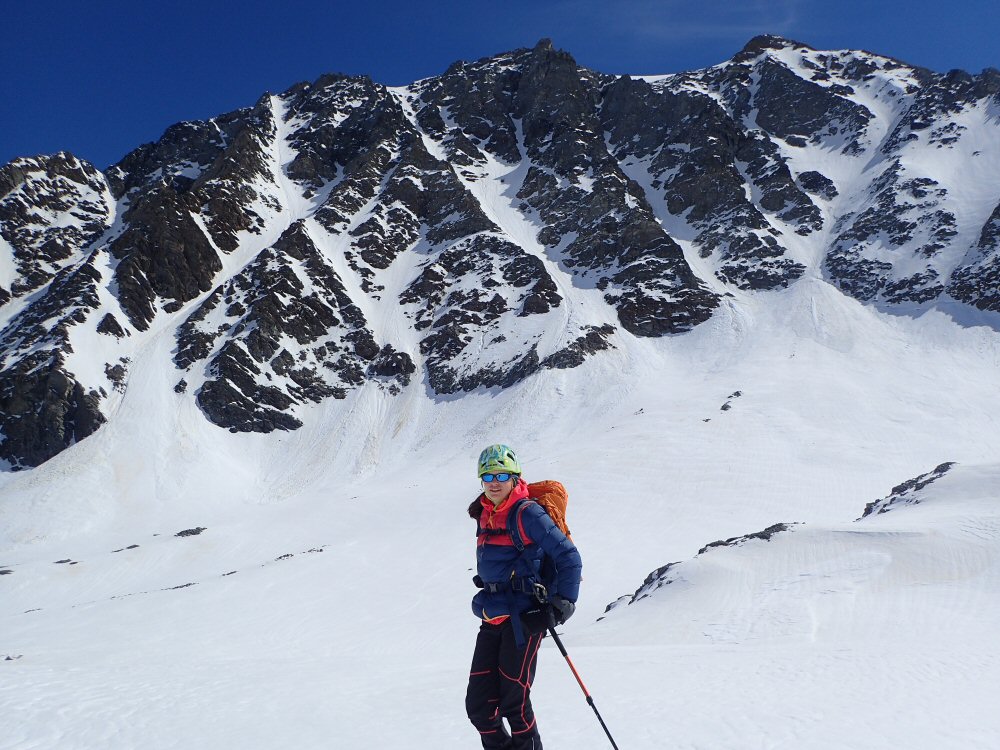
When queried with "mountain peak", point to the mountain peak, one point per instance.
{"points": [[347, 235], [546, 53], [763, 43]]}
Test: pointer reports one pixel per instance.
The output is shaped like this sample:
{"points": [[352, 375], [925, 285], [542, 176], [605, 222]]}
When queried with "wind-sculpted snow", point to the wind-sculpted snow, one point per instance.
{"points": [[515, 214], [667, 574], [164, 535], [896, 611], [850, 582]]}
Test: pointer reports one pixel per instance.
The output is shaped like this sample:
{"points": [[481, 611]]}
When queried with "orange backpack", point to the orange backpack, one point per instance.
{"points": [[552, 496], [548, 493]]}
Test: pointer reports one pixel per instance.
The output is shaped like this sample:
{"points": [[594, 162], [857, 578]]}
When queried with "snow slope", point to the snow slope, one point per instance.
{"points": [[325, 601]]}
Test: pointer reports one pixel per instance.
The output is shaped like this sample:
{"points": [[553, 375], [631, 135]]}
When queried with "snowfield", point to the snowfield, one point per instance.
{"points": [[319, 597]]}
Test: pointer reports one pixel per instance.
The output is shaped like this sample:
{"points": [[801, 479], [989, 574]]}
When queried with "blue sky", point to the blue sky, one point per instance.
{"points": [[99, 78]]}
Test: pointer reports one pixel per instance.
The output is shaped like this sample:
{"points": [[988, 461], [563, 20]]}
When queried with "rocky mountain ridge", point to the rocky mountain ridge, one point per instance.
{"points": [[514, 214]]}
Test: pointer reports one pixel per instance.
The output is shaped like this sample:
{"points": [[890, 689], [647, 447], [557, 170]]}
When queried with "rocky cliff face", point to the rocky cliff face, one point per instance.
{"points": [[514, 214]]}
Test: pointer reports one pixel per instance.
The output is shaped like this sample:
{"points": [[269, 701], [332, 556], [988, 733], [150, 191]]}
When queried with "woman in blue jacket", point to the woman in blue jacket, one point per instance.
{"points": [[529, 575]]}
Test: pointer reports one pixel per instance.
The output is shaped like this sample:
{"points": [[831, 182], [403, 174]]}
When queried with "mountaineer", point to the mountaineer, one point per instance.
{"points": [[528, 571]]}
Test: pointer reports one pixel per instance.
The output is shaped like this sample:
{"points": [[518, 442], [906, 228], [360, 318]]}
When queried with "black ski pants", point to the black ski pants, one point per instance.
{"points": [[500, 688]]}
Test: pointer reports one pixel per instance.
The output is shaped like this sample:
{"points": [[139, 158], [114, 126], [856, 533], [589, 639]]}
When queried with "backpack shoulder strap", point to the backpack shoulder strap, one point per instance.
{"points": [[514, 522]]}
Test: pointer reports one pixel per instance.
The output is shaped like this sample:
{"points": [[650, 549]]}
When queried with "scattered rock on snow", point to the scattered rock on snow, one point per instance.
{"points": [[657, 579], [666, 574], [616, 603], [906, 493], [736, 541]]}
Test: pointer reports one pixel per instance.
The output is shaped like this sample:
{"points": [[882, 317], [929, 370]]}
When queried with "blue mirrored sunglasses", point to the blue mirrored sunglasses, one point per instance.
{"points": [[498, 477]]}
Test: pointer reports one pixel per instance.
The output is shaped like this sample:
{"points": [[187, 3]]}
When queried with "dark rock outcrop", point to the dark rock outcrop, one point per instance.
{"points": [[907, 492], [43, 407], [477, 227], [978, 281], [667, 574], [36, 196], [245, 331]]}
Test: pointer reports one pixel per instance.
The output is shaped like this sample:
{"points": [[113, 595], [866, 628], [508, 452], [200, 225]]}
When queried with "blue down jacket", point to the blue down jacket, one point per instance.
{"points": [[499, 562]]}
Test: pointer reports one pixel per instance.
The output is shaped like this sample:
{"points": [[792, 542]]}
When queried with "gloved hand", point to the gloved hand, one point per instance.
{"points": [[536, 619], [478, 581], [560, 610]]}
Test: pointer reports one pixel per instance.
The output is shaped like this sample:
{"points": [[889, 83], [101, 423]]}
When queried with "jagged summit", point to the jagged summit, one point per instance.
{"points": [[764, 42], [514, 214]]}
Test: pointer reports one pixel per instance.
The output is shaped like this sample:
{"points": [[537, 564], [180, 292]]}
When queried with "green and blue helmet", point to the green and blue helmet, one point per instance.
{"points": [[497, 459]]}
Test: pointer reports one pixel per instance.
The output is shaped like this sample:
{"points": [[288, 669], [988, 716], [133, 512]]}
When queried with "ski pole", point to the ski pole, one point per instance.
{"points": [[583, 687]]}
